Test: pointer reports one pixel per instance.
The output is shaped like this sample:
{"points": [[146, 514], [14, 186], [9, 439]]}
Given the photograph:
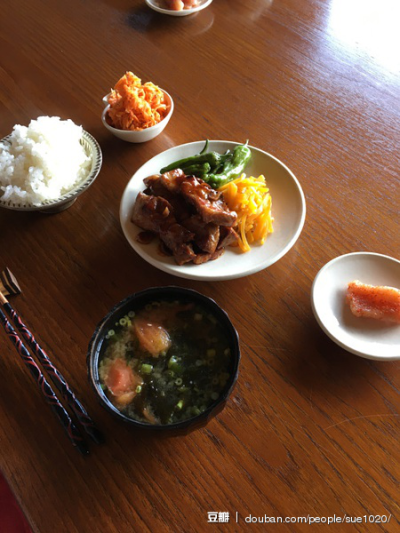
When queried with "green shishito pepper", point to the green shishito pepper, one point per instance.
{"points": [[214, 168], [199, 169], [212, 158], [232, 168]]}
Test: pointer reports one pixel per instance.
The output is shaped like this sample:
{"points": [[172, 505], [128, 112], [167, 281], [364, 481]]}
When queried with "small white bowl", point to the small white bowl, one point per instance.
{"points": [[139, 136], [366, 337], [92, 148]]}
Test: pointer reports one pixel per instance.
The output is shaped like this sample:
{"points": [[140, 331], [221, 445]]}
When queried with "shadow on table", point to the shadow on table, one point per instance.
{"points": [[326, 370]]}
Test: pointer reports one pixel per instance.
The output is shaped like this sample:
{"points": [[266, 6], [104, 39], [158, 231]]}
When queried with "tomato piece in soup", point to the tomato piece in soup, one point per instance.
{"points": [[122, 382], [152, 337]]}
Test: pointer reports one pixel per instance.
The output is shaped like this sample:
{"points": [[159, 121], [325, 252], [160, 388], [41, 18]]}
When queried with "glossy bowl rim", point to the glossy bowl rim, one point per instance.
{"points": [[93, 355]]}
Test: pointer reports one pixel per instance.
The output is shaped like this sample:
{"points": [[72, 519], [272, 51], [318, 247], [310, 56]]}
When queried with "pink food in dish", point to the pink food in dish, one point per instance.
{"points": [[379, 302], [178, 5]]}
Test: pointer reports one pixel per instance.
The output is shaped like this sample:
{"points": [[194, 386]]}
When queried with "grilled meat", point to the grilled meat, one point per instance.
{"points": [[190, 217]]}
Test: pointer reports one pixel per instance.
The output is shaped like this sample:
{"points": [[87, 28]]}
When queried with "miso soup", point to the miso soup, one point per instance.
{"points": [[166, 362]]}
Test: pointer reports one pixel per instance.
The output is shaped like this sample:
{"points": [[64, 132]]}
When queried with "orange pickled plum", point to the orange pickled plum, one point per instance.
{"points": [[176, 5]]}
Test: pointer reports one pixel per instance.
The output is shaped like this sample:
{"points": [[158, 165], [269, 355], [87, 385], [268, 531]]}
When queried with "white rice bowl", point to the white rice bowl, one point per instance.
{"points": [[43, 161]]}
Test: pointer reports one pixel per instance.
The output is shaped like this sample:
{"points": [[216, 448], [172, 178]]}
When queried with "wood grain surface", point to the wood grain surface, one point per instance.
{"points": [[310, 430]]}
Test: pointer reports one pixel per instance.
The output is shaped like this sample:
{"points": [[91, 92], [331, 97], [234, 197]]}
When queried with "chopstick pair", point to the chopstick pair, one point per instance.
{"points": [[9, 285]]}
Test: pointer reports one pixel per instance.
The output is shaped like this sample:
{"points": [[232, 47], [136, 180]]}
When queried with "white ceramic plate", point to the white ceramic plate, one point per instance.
{"points": [[366, 337], [157, 5], [288, 209]]}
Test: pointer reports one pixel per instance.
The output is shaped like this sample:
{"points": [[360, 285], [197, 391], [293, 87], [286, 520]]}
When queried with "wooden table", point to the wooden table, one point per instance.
{"points": [[310, 430]]}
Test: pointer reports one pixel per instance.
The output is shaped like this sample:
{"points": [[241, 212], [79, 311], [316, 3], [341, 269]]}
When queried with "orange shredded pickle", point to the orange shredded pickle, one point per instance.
{"points": [[251, 200], [134, 106]]}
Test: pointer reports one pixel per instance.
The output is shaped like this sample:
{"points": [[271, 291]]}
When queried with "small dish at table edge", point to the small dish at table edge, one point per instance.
{"points": [[365, 337], [153, 4]]}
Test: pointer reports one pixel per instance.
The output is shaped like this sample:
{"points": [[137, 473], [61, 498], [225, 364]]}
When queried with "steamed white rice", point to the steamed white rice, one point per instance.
{"points": [[44, 161]]}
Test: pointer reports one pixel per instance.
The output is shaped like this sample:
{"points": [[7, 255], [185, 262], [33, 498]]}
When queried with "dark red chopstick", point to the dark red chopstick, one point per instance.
{"points": [[57, 378], [49, 395]]}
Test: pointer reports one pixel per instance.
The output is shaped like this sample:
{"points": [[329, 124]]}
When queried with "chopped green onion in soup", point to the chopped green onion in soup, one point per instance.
{"points": [[158, 366]]}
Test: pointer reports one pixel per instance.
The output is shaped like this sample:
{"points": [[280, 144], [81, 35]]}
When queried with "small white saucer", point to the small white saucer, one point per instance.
{"points": [[366, 337]]}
